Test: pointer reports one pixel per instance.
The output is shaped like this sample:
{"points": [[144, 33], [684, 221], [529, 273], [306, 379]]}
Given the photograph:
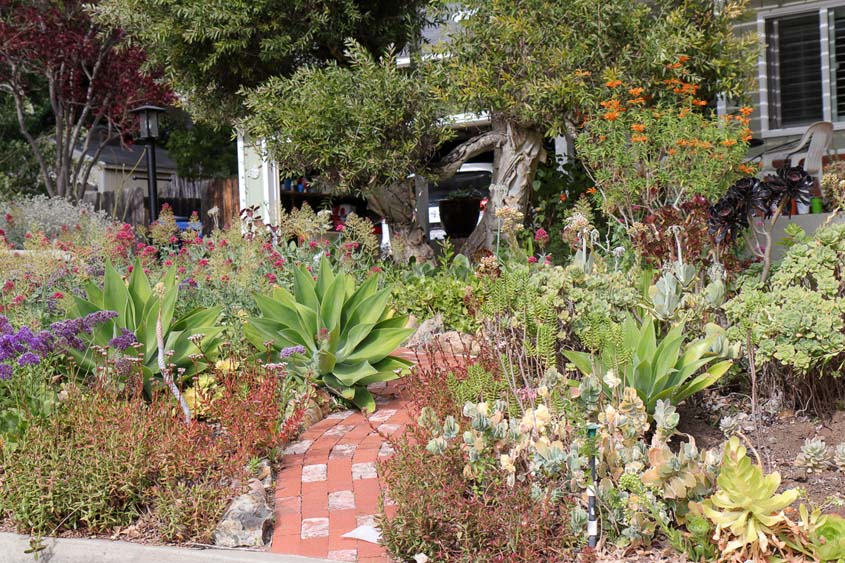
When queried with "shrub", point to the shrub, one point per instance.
{"points": [[53, 217], [796, 321], [644, 157], [437, 515], [105, 458]]}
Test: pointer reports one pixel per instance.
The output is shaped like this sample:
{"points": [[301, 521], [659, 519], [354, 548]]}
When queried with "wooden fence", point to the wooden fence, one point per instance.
{"points": [[184, 196]]}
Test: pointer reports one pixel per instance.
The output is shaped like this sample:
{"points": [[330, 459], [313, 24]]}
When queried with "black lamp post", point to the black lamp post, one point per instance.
{"points": [[148, 132]]}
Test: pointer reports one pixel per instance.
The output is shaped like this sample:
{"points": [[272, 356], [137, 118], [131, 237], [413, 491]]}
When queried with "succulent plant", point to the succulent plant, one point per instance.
{"points": [[814, 455], [347, 332], [839, 457], [799, 184], [734, 425], [665, 421], [686, 474], [140, 305], [657, 367], [745, 509], [828, 538]]}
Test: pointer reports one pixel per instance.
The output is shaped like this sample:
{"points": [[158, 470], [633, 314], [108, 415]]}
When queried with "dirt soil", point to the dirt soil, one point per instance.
{"points": [[778, 442]]}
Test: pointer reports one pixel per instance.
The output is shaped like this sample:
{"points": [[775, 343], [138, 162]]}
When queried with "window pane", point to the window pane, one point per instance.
{"points": [[793, 54]]}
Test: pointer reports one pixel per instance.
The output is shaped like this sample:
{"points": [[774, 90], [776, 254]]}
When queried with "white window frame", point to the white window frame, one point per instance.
{"points": [[823, 8]]}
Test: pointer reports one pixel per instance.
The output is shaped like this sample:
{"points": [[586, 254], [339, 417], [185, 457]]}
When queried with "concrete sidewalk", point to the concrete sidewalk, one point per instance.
{"points": [[13, 546]]}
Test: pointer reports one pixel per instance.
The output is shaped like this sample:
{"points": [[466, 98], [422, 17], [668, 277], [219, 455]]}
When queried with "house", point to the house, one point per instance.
{"points": [[800, 70], [123, 169]]}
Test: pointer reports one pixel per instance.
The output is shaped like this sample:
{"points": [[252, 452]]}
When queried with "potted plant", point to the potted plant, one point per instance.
{"points": [[459, 212]]}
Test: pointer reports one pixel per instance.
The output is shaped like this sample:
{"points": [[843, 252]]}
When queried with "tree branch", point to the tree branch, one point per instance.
{"points": [[449, 165], [19, 105]]}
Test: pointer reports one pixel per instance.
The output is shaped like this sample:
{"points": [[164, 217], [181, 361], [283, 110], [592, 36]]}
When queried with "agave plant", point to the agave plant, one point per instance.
{"points": [[139, 306], [347, 333], [747, 513], [658, 369]]}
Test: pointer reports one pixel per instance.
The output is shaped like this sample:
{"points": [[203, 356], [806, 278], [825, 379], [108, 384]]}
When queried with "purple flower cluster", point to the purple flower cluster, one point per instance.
{"points": [[67, 332], [124, 341], [288, 352], [26, 348]]}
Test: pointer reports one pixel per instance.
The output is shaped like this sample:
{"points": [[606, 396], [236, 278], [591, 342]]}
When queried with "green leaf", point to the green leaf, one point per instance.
{"points": [[351, 374], [379, 344], [364, 400], [304, 289]]}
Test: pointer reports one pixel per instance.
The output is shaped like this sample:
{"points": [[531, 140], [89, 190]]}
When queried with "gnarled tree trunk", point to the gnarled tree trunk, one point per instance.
{"points": [[397, 203], [514, 168]]}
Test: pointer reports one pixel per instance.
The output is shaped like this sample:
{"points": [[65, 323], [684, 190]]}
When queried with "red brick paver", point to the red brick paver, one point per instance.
{"points": [[329, 485]]}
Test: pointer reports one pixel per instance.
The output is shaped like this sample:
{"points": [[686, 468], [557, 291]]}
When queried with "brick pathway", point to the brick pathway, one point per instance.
{"points": [[328, 485]]}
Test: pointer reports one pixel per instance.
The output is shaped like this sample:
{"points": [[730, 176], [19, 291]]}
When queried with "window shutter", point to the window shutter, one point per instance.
{"points": [[837, 63], [793, 53]]}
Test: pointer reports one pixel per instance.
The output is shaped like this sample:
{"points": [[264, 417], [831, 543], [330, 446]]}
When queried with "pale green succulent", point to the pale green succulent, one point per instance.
{"points": [[814, 455], [839, 457], [746, 510]]}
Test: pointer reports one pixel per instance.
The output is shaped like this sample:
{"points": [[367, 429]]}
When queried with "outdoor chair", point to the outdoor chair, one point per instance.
{"points": [[810, 150]]}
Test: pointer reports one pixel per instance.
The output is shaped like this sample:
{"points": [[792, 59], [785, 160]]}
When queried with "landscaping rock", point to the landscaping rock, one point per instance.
{"points": [[427, 331], [248, 522], [456, 342]]}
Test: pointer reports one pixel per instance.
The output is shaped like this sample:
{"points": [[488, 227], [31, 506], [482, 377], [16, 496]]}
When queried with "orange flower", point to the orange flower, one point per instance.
{"points": [[582, 73], [602, 137], [638, 127], [639, 100], [635, 91], [705, 145], [690, 89], [639, 139], [683, 58], [729, 142], [671, 152], [613, 83], [611, 115], [612, 105], [700, 103], [562, 197], [683, 113], [745, 169], [591, 190], [746, 111], [674, 66]]}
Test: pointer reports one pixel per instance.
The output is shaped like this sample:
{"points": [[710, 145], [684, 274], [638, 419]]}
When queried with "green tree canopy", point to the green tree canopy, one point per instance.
{"points": [[211, 49], [349, 128]]}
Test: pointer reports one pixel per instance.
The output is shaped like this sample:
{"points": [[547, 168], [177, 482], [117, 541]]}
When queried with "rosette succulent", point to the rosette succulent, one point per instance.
{"points": [[191, 340], [347, 333], [798, 185], [814, 455], [728, 217], [839, 457], [745, 509]]}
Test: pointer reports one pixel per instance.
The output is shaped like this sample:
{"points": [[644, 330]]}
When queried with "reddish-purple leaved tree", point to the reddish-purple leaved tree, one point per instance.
{"points": [[93, 81]]}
